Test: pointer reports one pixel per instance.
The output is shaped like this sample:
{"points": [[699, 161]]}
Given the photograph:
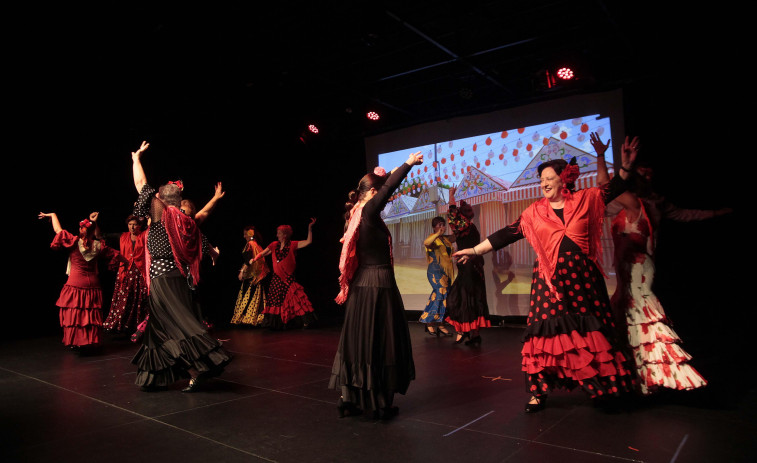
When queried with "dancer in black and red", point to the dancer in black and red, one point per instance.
{"points": [[570, 340], [287, 300]]}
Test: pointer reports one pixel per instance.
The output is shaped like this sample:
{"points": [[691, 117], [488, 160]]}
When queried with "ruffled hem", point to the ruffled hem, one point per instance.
{"points": [[467, 327], [167, 363], [565, 324], [648, 310], [648, 333], [82, 298], [671, 376], [74, 317], [577, 357], [81, 335], [296, 304], [659, 352]]}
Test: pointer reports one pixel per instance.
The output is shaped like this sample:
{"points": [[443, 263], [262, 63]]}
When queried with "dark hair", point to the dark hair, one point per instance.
{"points": [[557, 164], [257, 236], [170, 194], [139, 220], [436, 221], [366, 183]]}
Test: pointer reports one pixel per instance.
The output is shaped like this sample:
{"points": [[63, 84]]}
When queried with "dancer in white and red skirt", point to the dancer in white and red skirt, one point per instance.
{"points": [[287, 300], [80, 300], [130, 306], [570, 339]]}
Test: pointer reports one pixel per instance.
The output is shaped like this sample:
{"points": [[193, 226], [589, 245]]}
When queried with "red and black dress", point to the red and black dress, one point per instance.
{"points": [[130, 304], [570, 337], [286, 298], [80, 300]]}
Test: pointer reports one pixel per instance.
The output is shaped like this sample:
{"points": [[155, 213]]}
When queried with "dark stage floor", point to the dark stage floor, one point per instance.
{"points": [[272, 404]]}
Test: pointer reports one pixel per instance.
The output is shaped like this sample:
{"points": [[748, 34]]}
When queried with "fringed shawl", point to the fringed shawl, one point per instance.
{"points": [[348, 261]]}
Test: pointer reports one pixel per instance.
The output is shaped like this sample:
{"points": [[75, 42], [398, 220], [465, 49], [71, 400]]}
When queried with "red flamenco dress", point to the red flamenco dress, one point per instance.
{"points": [[286, 298], [130, 304], [660, 360], [80, 300], [570, 337]]}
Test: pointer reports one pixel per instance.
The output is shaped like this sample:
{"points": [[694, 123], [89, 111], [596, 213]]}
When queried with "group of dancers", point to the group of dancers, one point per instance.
{"points": [[576, 336]]}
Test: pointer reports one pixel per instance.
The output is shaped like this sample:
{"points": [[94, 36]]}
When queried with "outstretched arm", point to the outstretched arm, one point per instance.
{"points": [[54, 219], [603, 176], [140, 179], [628, 153], [262, 254], [480, 249], [302, 244], [205, 211]]}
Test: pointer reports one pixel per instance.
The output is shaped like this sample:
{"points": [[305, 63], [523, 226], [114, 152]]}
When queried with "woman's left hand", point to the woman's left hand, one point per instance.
{"points": [[415, 159], [312, 221], [463, 255], [596, 142], [93, 216]]}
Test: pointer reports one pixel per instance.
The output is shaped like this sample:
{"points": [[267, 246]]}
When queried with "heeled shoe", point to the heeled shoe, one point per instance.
{"points": [[541, 404], [432, 333], [474, 341], [443, 332], [347, 408], [462, 338], [194, 385]]}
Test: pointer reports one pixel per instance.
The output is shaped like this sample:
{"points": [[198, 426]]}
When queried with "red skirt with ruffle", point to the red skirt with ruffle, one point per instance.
{"points": [[80, 315]]}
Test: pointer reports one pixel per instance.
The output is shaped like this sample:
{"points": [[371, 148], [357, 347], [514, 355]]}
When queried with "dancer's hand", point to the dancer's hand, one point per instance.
{"points": [[596, 142], [463, 255], [219, 193], [135, 155], [414, 159], [93, 216], [46, 215], [628, 153], [312, 221]]}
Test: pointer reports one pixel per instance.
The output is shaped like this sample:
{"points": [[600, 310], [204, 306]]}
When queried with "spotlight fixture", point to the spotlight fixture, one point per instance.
{"points": [[373, 115], [313, 128], [565, 73]]}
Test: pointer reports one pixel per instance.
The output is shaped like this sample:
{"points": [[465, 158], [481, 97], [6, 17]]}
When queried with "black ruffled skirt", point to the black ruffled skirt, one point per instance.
{"points": [[175, 340], [467, 309], [375, 357]]}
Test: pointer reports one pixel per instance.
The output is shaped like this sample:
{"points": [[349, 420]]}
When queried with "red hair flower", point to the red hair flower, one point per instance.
{"points": [[178, 183], [380, 171], [85, 223]]}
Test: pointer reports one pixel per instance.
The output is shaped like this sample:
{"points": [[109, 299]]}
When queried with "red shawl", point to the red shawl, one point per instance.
{"points": [[185, 240], [348, 260], [134, 254], [583, 213]]}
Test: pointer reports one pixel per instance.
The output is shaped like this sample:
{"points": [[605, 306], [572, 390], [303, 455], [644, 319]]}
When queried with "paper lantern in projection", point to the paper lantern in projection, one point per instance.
{"points": [[452, 157], [517, 158], [488, 141], [600, 130], [425, 168], [504, 163], [584, 128], [504, 134], [462, 152], [504, 149], [475, 147], [521, 130], [449, 144], [488, 162], [501, 157], [581, 137], [545, 141], [435, 164], [535, 136], [468, 168], [520, 143], [438, 150], [563, 135], [576, 121], [444, 160], [515, 152], [529, 147], [555, 128]]}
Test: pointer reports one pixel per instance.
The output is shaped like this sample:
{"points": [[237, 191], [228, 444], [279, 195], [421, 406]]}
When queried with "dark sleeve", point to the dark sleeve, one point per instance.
{"points": [[383, 194], [205, 245], [673, 212], [506, 236], [614, 188], [142, 206]]}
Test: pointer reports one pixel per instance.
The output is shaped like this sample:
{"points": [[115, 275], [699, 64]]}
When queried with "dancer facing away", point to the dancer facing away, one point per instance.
{"points": [[286, 298], [251, 299], [80, 300], [129, 306], [660, 360], [175, 343], [440, 274], [569, 339], [467, 308], [374, 359]]}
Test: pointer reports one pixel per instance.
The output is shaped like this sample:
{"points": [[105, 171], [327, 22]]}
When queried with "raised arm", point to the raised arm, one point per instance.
{"points": [[302, 244], [480, 249], [262, 254], [140, 179], [628, 153], [205, 211], [93, 218], [53, 219], [600, 148]]}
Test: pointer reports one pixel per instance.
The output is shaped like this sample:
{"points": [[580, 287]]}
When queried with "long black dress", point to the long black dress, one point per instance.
{"points": [[374, 359], [174, 340]]}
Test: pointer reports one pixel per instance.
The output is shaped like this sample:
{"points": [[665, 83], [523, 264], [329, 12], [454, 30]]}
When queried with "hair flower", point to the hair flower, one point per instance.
{"points": [[380, 171]]}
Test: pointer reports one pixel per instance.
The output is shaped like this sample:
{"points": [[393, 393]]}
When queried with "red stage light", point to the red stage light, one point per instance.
{"points": [[372, 115], [313, 128], [565, 73]]}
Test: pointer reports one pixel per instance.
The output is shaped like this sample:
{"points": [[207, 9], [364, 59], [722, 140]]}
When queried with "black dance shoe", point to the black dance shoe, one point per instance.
{"points": [[432, 333], [194, 385], [474, 341], [443, 331], [541, 404], [462, 338], [347, 409]]}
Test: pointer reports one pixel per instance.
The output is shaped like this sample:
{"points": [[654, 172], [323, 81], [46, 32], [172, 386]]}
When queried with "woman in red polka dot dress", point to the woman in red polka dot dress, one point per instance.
{"points": [[570, 339], [286, 298]]}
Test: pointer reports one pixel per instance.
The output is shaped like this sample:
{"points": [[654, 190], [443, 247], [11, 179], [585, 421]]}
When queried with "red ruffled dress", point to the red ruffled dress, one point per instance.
{"points": [[80, 300], [286, 298], [570, 337]]}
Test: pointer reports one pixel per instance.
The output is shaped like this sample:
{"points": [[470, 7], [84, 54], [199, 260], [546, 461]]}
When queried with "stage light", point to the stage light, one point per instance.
{"points": [[313, 128], [565, 73], [372, 115]]}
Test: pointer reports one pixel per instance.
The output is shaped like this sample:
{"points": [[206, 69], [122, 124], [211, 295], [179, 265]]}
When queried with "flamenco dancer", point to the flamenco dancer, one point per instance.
{"points": [[440, 274], [374, 359], [660, 360], [286, 298], [570, 338], [80, 299], [251, 299], [175, 344], [129, 306], [467, 308]]}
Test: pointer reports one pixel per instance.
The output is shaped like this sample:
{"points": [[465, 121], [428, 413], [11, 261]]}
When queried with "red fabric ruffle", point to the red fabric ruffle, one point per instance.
{"points": [[296, 304], [467, 327], [73, 297]]}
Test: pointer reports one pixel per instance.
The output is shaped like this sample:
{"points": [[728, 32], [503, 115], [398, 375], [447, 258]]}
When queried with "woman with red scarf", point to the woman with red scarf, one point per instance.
{"points": [[80, 299], [175, 344], [570, 338], [129, 306], [374, 359]]}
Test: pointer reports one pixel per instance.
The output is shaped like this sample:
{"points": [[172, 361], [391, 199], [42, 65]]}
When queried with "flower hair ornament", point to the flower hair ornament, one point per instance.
{"points": [[85, 223], [178, 183], [380, 171], [569, 175]]}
